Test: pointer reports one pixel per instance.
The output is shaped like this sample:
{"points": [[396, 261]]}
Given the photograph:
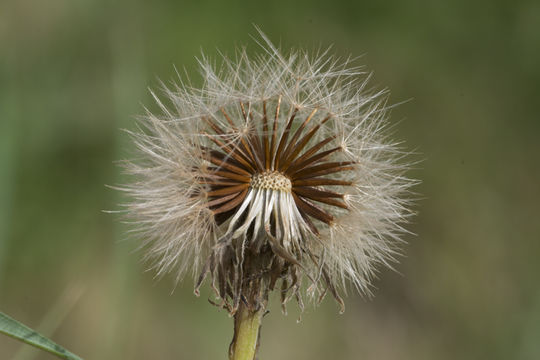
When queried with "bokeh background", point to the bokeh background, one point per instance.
{"points": [[74, 72]]}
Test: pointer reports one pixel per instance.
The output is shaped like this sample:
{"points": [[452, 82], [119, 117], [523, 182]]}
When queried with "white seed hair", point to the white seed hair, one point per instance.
{"points": [[169, 203]]}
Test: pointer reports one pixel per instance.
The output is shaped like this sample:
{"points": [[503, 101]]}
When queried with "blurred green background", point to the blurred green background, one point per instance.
{"points": [[73, 72]]}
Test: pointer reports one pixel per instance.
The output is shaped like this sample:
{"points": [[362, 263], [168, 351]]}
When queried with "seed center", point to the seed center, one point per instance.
{"points": [[273, 180]]}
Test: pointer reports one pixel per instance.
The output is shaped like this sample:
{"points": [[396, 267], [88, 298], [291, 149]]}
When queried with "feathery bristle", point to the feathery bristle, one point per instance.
{"points": [[277, 169]]}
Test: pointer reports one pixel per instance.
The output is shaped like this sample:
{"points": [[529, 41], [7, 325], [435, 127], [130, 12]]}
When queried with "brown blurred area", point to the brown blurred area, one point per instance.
{"points": [[73, 73]]}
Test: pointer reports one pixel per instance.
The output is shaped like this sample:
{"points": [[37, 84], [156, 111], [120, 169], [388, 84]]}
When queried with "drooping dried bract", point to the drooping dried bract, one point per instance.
{"points": [[275, 172]]}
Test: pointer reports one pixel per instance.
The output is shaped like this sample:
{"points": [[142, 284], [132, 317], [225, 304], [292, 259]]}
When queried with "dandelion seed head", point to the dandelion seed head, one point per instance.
{"points": [[277, 170]]}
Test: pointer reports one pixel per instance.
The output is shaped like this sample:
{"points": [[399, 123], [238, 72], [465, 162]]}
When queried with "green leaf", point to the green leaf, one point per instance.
{"points": [[15, 329]]}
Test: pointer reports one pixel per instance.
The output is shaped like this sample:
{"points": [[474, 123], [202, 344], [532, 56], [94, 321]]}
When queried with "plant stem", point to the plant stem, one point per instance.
{"points": [[247, 324]]}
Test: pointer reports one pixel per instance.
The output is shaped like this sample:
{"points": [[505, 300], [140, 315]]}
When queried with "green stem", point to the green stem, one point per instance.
{"points": [[247, 324]]}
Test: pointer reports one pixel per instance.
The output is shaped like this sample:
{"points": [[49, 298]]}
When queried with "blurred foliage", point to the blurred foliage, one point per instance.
{"points": [[13, 328], [73, 72]]}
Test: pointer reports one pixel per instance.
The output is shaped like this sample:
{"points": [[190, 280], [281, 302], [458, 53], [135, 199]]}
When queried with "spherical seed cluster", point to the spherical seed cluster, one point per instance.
{"points": [[272, 180], [277, 171]]}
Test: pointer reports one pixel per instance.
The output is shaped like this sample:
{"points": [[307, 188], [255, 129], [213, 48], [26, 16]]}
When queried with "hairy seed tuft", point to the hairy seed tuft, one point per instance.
{"points": [[276, 172]]}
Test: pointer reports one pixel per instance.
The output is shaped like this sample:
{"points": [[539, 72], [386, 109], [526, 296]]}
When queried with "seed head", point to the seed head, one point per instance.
{"points": [[276, 171]]}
